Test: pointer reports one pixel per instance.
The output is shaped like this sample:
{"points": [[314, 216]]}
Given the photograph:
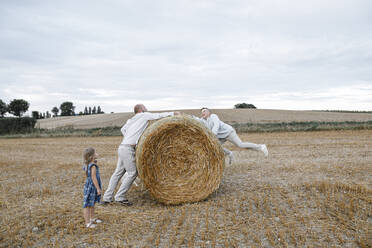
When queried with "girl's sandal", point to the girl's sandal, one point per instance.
{"points": [[90, 225], [96, 220]]}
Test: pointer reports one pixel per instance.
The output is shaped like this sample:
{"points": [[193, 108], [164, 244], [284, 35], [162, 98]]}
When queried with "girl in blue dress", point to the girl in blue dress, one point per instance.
{"points": [[92, 187]]}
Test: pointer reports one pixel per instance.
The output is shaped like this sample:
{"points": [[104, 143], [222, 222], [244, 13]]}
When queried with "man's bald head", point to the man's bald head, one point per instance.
{"points": [[138, 108]]}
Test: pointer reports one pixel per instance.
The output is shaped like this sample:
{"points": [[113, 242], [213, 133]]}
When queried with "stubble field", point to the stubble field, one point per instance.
{"points": [[314, 190]]}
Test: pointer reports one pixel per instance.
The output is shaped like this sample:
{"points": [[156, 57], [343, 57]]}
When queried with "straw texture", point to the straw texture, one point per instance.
{"points": [[179, 160]]}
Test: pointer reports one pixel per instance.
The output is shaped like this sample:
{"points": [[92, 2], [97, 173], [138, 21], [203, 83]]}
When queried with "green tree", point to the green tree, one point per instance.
{"points": [[244, 105], [99, 111], [55, 111], [35, 114], [3, 108], [90, 111], [85, 110], [18, 107], [67, 109], [94, 110]]}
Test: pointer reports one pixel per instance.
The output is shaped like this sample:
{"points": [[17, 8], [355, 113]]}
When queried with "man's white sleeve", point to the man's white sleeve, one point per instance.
{"points": [[155, 116], [197, 118], [124, 128], [200, 120]]}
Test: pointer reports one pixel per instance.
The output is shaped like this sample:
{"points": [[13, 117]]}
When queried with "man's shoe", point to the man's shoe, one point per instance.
{"points": [[264, 150], [104, 203], [125, 203]]}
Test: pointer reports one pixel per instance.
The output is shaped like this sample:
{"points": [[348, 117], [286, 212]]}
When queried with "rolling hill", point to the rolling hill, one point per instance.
{"points": [[230, 116]]}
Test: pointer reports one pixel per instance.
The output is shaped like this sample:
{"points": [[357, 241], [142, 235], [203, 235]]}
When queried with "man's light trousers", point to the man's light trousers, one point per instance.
{"points": [[126, 170]]}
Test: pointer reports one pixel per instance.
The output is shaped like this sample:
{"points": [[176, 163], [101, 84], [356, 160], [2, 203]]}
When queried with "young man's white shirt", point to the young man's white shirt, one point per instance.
{"points": [[134, 127], [218, 127]]}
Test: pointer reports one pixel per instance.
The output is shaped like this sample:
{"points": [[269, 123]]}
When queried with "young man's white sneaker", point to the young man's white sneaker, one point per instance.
{"points": [[264, 150], [231, 158]]}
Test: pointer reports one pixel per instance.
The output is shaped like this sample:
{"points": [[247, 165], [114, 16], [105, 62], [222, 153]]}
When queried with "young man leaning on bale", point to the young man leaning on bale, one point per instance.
{"points": [[225, 132], [126, 165]]}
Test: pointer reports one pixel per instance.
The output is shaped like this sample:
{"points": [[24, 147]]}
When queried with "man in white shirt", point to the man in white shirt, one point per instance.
{"points": [[126, 165], [225, 132]]}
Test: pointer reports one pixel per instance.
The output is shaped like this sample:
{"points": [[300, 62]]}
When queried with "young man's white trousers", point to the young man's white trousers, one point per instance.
{"points": [[234, 138], [126, 166]]}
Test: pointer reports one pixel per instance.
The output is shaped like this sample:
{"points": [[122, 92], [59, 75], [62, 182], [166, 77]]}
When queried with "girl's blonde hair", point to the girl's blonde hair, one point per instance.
{"points": [[88, 155]]}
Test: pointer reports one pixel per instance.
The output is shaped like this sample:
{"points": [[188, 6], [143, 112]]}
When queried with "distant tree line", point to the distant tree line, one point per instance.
{"points": [[19, 124], [18, 107], [91, 111]]}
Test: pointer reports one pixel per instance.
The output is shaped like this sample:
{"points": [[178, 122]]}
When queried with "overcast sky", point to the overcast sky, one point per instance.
{"points": [[275, 54]]}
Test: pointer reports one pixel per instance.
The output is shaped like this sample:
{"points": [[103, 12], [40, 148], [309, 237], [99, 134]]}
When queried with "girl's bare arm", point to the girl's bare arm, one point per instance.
{"points": [[94, 179]]}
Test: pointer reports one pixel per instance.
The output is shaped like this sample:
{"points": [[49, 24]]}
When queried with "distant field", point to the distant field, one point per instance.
{"points": [[314, 190], [232, 116]]}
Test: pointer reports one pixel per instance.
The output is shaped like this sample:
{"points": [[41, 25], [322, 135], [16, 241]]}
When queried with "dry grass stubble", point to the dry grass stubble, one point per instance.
{"points": [[314, 190]]}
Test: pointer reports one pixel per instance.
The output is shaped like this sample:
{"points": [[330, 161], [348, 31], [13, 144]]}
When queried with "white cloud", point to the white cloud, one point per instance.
{"points": [[186, 54]]}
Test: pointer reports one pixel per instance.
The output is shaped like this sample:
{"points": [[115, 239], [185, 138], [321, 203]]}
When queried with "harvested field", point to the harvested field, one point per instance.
{"points": [[227, 115], [314, 190]]}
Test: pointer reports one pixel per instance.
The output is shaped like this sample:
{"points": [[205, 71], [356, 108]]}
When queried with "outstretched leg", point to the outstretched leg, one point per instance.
{"points": [[234, 138]]}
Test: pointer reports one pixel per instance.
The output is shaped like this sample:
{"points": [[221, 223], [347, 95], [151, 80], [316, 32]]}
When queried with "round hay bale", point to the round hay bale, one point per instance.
{"points": [[179, 160]]}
